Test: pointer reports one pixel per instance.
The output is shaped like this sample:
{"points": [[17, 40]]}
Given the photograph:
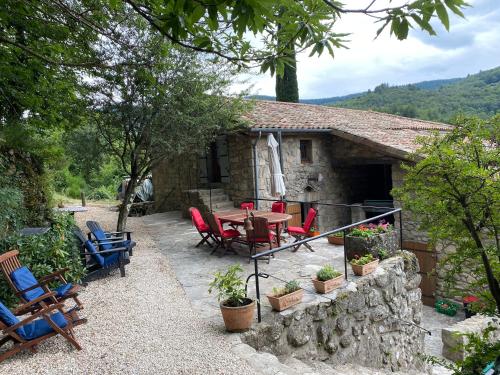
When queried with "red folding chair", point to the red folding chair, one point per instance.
{"points": [[261, 234], [245, 205], [202, 227], [223, 237], [300, 233], [279, 207]]}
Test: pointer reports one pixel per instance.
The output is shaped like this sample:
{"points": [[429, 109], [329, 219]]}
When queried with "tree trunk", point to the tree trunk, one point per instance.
{"points": [[126, 204], [287, 86]]}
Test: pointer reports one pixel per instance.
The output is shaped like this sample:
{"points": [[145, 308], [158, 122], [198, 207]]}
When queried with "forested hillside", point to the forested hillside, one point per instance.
{"points": [[477, 94]]}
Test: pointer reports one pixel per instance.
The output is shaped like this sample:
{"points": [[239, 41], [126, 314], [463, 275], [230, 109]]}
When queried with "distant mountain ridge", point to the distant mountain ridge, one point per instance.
{"points": [[431, 85], [437, 100]]}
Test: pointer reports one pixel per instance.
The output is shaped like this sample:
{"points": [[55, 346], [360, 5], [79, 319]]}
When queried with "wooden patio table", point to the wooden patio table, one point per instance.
{"points": [[237, 217]]}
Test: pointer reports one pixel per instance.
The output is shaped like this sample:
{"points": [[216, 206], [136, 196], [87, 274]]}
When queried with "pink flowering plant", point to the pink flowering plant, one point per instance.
{"points": [[371, 229]]}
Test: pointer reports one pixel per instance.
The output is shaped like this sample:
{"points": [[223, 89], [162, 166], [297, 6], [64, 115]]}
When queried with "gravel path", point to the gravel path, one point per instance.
{"points": [[140, 324]]}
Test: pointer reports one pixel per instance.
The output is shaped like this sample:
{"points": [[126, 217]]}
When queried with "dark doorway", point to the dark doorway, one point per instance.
{"points": [[214, 174], [370, 185]]}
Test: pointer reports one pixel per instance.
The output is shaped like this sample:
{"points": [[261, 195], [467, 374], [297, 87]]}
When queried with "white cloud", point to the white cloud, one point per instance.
{"points": [[471, 45]]}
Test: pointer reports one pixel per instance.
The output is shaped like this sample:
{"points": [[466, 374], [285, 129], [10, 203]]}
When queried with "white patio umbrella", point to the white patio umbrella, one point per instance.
{"points": [[277, 182]]}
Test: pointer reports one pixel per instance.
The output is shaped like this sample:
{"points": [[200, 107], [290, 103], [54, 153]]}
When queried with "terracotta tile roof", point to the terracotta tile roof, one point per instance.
{"points": [[394, 134]]}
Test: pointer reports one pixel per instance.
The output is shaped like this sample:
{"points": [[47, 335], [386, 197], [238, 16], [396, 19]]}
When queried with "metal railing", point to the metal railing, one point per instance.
{"points": [[343, 229]]}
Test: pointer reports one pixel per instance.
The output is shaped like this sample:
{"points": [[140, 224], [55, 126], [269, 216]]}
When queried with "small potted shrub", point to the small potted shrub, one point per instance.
{"points": [[313, 232], [336, 238], [289, 295], [364, 238], [237, 310], [327, 279], [364, 265]]}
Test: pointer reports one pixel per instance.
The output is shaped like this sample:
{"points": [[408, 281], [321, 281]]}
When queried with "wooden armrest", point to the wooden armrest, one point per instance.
{"points": [[41, 284], [117, 249], [125, 231], [33, 317], [110, 241], [54, 275], [39, 299]]}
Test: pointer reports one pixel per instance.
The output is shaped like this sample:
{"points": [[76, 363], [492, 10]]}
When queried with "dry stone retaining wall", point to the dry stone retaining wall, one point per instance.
{"points": [[370, 322]]}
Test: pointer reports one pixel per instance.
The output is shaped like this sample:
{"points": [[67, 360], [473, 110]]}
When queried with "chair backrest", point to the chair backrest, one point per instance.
{"points": [[24, 279], [311, 215], [278, 207], [260, 229], [245, 205], [196, 218], [99, 234], [8, 319], [9, 262], [215, 224]]}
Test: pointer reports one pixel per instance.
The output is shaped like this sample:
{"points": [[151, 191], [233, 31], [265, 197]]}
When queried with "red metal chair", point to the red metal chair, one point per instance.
{"points": [[202, 227], [224, 237], [245, 205], [261, 234], [300, 233], [279, 207]]}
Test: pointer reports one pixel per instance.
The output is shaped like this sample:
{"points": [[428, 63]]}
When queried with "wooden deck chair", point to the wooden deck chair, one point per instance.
{"points": [[99, 263], [224, 237], [110, 240], [25, 334], [261, 234], [27, 288]]}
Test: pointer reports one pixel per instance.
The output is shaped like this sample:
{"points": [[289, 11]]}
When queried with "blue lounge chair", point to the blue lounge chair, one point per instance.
{"points": [[99, 263], [110, 240], [27, 333], [27, 288]]}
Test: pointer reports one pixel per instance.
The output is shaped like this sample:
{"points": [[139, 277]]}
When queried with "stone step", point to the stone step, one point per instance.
{"points": [[226, 205], [206, 192], [215, 199]]}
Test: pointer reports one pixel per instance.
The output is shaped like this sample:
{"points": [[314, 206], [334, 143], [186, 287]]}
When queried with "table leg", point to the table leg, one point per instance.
{"points": [[278, 234]]}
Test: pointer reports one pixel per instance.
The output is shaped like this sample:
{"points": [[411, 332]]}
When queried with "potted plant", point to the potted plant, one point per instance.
{"points": [[336, 238], [446, 307], [237, 310], [364, 265], [313, 232], [289, 295], [364, 239], [327, 279]]}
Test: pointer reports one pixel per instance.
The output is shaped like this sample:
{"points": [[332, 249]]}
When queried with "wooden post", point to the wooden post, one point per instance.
{"points": [[82, 195]]}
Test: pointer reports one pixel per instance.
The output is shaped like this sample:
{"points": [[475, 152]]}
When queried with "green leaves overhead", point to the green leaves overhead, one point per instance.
{"points": [[265, 32]]}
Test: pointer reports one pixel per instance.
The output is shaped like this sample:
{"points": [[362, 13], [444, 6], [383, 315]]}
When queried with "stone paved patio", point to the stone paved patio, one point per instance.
{"points": [[194, 267]]}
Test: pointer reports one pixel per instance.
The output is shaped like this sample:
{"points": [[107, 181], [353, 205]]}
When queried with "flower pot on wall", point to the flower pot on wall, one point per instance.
{"points": [[238, 319], [365, 269], [327, 286], [288, 300], [314, 233], [365, 245], [336, 240]]}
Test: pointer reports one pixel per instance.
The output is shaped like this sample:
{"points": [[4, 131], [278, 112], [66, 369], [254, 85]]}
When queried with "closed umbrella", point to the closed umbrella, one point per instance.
{"points": [[277, 180]]}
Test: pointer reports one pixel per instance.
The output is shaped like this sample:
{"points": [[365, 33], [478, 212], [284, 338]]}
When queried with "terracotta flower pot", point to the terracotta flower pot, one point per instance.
{"points": [[336, 240], [238, 319], [364, 269], [286, 301], [328, 285], [314, 233]]}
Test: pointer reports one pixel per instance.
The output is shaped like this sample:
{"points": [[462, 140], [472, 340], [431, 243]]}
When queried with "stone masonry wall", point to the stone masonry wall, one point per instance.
{"points": [[241, 170], [172, 177], [370, 322]]}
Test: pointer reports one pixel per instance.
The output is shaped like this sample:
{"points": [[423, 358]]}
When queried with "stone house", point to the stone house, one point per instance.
{"points": [[328, 155]]}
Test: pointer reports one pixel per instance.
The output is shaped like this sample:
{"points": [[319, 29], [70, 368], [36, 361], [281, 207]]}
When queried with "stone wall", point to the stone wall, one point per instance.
{"points": [[171, 178], [241, 170], [370, 322]]}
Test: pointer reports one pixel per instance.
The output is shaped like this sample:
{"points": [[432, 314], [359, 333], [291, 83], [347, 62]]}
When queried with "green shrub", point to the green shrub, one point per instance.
{"points": [[230, 286], [102, 192], [12, 212], [43, 254], [327, 273]]}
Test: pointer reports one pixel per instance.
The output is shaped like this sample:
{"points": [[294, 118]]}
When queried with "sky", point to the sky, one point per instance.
{"points": [[471, 45]]}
